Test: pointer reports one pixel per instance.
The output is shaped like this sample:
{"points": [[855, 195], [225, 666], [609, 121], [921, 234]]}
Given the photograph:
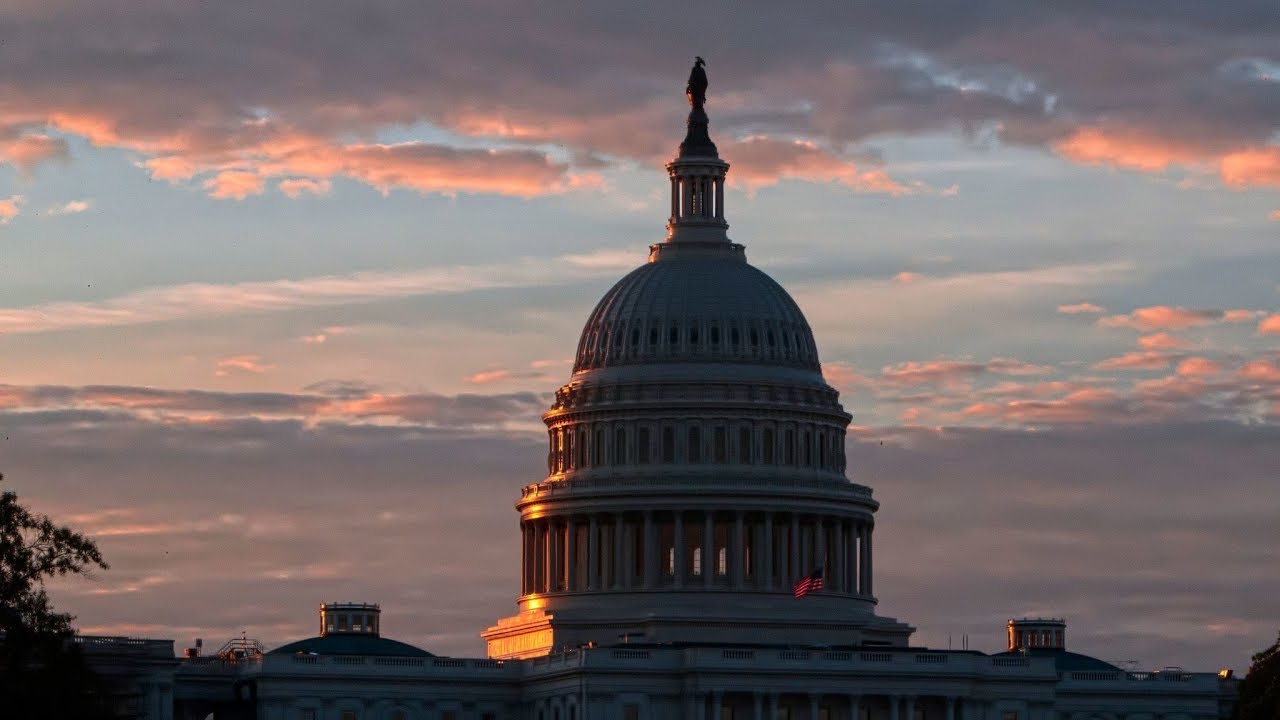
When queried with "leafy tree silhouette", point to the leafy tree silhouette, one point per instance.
{"points": [[1259, 697], [42, 672]]}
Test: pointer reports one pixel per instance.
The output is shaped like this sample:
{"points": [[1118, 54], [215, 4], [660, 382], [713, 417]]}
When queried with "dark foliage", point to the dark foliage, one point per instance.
{"points": [[1259, 697], [42, 672]]}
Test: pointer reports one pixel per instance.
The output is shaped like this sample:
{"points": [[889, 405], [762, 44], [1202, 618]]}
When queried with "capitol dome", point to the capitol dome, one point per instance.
{"points": [[702, 302], [696, 459]]}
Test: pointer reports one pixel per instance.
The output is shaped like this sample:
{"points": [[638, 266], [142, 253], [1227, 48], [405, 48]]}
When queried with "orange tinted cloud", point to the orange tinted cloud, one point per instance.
{"points": [[234, 184], [241, 363], [1159, 317], [489, 376], [297, 187], [1137, 361], [759, 162], [1270, 325], [1198, 367], [1253, 167], [1264, 371], [9, 208], [949, 372], [1161, 341], [1136, 151], [28, 151], [906, 277], [1080, 308]]}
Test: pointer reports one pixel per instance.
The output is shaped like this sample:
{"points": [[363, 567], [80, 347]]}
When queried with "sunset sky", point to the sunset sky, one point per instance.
{"points": [[285, 286]]}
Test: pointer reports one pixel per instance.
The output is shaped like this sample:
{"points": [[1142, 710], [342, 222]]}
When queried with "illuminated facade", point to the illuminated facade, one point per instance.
{"points": [[696, 469]]}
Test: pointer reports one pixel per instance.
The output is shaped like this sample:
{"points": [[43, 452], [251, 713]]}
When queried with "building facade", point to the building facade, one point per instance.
{"points": [[695, 471]]}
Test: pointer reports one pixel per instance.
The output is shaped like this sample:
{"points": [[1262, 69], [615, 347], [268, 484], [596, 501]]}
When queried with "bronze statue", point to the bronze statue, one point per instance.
{"points": [[697, 87]]}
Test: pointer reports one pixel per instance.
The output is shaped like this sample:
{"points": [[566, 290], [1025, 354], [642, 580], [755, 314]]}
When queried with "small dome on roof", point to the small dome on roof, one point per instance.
{"points": [[351, 644]]}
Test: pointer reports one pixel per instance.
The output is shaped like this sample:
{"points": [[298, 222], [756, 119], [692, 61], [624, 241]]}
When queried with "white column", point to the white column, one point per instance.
{"points": [[554, 557], [708, 547], [571, 555], [738, 551], [841, 561], [820, 546], [720, 199], [678, 532], [593, 553], [766, 555], [544, 553], [650, 552], [870, 575], [795, 571], [619, 553]]}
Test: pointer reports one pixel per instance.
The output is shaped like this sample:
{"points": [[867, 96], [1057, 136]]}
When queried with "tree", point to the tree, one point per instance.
{"points": [[42, 673], [33, 549], [1259, 697]]}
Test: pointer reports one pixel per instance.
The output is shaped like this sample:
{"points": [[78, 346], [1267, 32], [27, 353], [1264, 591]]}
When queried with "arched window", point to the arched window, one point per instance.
{"points": [[582, 447], [653, 336], [693, 335], [721, 443], [807, 447], [695, 444], [668, 444], [715, 335], [568, 449], [597, 449], [789, 447], [766, 446], [673, 337], [744, 445]]}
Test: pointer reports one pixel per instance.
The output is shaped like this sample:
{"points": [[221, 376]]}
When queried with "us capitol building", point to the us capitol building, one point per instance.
{"points": [[695, 472]]}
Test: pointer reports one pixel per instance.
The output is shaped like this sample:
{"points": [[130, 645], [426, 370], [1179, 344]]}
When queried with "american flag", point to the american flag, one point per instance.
{"points": [[807, 584]]}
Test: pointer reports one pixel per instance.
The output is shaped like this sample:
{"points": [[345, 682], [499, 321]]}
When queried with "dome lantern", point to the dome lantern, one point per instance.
{"points": [[697, 175]]}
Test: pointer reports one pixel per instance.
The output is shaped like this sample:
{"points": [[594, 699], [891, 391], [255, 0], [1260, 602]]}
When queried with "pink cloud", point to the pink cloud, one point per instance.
{"points": [[951, 372], [489, 376], [1079, 308], [1198, 367], [1270, 325], [1275, 215], [9, 208], [760, 161], [844, 376], [297, 187], [28, 151], [241, 363], [234, 184], [1159, 317], [1126, 149], [1264, 371], [1161, 341], [905, 278], [1252, 167], [1145, 360], [1237, 316]]}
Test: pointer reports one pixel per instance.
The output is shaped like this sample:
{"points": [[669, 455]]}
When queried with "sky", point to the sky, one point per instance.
{"points": [[285, 287]]}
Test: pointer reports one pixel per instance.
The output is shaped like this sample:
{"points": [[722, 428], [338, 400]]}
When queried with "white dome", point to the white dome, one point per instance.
{"points": [[696, 303]]}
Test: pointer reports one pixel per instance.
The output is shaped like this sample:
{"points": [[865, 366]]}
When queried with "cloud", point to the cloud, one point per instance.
{"points": [[9, 208], [26, 152], [759, 162], [1252, 167], [71, 207], [1161, 341], [1270, 325], [906, 278], [947, 372], [323, 336], [1275, 216], [1080, 308], [1198, 367], [1146, 360], [234, 184], [297, 187], [1159, 317], [241, 364], [179, 302]]}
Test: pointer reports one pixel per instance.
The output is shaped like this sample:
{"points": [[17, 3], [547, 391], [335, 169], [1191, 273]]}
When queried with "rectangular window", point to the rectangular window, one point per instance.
{"points": [[744, 445], [631, 711], [668, 444], [348, 715], [448, 715], [1009, 715], [766, 446], [721, 445], [308, 714], [695, 445]]}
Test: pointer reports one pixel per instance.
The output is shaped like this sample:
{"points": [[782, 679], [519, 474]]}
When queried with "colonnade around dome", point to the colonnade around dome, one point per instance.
{"points": [[714, 549]]}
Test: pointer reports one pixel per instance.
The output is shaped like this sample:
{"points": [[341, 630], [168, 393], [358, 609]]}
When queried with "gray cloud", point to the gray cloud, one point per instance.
{"points": [[214, 85]]}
